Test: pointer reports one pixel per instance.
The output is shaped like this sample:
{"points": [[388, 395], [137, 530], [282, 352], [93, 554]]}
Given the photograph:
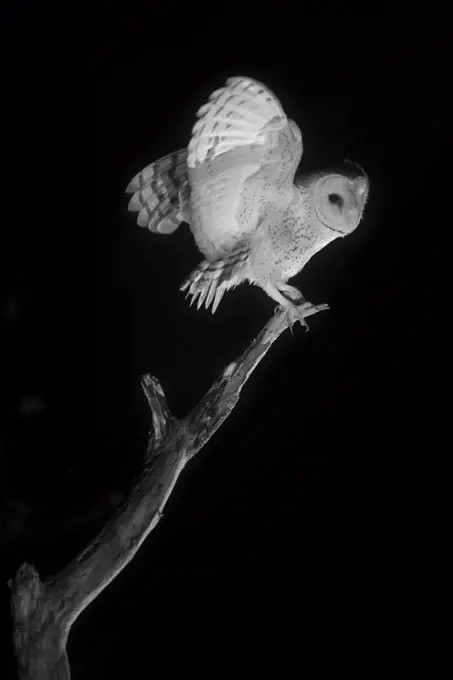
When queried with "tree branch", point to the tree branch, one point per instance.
{"points": [[43, 612]]}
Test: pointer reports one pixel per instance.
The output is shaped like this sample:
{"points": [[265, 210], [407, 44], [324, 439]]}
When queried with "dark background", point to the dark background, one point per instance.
{"points": [[304, 528]]}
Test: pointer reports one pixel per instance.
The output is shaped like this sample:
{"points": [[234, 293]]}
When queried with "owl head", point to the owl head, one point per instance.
{"points": [[339, 202], [339, 197]]}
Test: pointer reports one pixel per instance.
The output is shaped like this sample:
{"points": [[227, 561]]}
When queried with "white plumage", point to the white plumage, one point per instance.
{"points": [[235, 187]]}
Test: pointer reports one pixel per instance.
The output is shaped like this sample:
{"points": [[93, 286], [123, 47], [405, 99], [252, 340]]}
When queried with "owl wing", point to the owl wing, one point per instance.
{"points": [[243, 153], [161, 193]]}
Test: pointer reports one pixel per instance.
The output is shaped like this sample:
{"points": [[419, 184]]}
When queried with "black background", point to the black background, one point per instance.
{"points": [[302, 530]]}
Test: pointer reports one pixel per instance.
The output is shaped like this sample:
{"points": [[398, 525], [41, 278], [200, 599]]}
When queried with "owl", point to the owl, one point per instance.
{"points": [[236, 187]]}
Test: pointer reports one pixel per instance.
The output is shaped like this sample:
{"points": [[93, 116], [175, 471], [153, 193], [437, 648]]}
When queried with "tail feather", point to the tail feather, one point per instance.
{"points": [[209, 281], [161, 193]]}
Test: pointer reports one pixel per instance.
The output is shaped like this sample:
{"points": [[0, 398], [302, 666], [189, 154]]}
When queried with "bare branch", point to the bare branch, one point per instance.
{"points": [[43, 612]]}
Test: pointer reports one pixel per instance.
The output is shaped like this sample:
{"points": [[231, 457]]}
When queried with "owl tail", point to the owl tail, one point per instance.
{"points": [[161, 193], [210, 280]]}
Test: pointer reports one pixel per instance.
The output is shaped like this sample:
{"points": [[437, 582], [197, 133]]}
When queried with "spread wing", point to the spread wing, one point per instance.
{"points": [[161, 193], [243, 154]]}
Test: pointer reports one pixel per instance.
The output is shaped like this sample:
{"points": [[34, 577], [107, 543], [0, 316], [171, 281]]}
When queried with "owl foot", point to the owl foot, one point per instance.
{"points": [[295, 313], [299, 312], [292, 302]]}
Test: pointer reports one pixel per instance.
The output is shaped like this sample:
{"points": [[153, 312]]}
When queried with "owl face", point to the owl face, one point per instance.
{"points": [[339, 201]]}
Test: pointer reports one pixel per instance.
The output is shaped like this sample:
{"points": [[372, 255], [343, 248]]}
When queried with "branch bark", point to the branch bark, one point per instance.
{"points": [[44, 611]]}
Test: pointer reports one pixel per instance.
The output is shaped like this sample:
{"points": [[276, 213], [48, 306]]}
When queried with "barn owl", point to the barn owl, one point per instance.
{"points": [[235, 186]]}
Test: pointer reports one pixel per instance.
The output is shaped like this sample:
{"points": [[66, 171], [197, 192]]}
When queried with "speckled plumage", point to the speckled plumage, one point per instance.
{"points": [[235, 185]]}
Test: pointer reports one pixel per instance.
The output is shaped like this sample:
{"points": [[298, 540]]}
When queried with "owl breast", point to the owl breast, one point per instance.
{"points": [[285, 238]]}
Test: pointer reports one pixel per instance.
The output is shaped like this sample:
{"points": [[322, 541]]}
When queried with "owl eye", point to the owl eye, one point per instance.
{"points": [[336, 199]]}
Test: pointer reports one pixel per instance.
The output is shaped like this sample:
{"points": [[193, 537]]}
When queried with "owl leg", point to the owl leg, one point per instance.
{"points": [[291, 292], [294, 312]]}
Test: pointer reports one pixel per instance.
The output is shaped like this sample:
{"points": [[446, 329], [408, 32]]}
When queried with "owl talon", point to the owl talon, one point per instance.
{"points": [[296, 314]]}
